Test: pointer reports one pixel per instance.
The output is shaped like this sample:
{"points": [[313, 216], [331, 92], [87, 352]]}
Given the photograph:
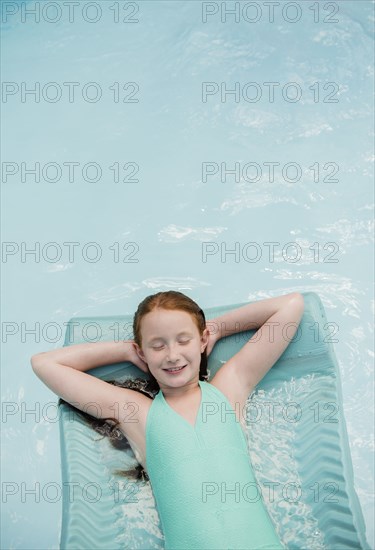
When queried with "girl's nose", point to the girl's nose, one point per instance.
{"points": [[172, 354]]}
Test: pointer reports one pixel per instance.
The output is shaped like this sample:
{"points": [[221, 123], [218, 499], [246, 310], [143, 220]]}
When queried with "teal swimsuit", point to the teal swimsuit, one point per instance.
{"points": [[202, 479]]}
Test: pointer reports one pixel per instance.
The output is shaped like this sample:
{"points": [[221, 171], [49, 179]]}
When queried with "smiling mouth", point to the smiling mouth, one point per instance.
{"points": [[175, 369]]}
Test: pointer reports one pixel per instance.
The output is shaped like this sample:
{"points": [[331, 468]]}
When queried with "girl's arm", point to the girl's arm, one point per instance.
{"points": [[63, 371], [84, 357], [277, 321], [248, 317]]}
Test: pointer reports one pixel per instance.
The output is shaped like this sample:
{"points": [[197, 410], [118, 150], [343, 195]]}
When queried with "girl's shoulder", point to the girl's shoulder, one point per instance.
{"points": [[227, 388], [133, 412]]}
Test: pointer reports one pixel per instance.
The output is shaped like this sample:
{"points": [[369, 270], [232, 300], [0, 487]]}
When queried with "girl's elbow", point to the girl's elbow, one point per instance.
{"points": [[297, 297], [298, 304], [35, 360]]}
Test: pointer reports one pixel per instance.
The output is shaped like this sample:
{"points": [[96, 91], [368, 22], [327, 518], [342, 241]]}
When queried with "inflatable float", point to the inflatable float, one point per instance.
{"points": [[299, 448]]}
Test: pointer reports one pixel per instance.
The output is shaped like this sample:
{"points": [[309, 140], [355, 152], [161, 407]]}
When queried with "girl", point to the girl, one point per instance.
{"points": [[189, 436]]}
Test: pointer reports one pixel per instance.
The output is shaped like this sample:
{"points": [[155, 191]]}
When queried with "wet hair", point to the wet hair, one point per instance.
{"points": [[170, 300]]}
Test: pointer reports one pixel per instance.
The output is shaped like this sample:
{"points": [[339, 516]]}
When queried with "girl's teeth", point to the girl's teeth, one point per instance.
{"points": [[178, 368]]}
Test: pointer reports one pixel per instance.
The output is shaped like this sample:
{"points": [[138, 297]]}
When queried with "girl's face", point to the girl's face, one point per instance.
{"points": [[171, 339]]}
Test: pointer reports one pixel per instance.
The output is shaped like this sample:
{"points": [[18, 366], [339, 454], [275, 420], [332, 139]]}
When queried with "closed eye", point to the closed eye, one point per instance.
{"points": [[183, 342]]}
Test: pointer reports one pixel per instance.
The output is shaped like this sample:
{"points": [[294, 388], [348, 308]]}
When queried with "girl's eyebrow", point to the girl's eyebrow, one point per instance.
{"points": [[183, 332]]}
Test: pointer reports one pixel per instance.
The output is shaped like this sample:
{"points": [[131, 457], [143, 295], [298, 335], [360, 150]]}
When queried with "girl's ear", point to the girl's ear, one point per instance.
{"points": [[204, 339], [139, 352]]}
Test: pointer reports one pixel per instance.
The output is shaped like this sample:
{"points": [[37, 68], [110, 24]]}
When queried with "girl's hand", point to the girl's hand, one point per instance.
{"points": [[133, 357]]}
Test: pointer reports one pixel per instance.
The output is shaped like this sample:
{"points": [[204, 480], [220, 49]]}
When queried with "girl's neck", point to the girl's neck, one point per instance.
{"points": [[188, 391]]}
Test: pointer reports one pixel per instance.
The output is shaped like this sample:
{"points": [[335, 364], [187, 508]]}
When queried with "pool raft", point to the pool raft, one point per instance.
{"points": [[320, 449]]}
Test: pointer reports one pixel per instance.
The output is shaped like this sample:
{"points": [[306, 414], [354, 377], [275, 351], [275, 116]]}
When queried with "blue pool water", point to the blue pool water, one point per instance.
{"points": [[153, 176]]}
